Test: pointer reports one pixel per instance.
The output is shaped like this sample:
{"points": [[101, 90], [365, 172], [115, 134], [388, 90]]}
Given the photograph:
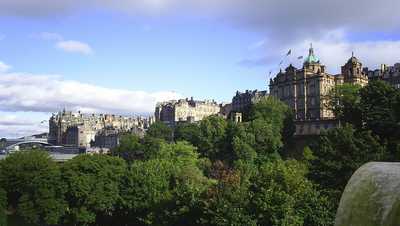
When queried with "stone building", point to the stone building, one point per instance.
{"points": [[305, 90], [242, 101], [390, 74], [353, 72], [78, 129], [185, 110], [107, 138]]}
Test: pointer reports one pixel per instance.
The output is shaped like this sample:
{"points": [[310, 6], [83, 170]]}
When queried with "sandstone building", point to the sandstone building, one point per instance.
{"points": [[185, 110], [305, 90], [242, 101], [80, 130], [390, 74]]}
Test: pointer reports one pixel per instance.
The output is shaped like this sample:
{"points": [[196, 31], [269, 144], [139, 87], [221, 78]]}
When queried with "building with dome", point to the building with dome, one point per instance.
{"points": [[306, 90]]}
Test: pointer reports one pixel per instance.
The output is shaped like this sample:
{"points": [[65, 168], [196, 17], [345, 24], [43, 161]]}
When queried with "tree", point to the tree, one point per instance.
{"points": [[3, 207], [92, 185], [129, 148], [145, 189], [164, 190], [278, 114], [281, 195], [189, 132], [378, 106], [341, 151], [271, 110], [227, 201], [160, 130], [34, 188], [266, 140], [213, 137], [344, 101]]}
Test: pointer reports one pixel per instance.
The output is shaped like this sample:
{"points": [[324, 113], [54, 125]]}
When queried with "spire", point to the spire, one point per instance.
{"points": [[311, 50], [311, 57], [352, 54]]}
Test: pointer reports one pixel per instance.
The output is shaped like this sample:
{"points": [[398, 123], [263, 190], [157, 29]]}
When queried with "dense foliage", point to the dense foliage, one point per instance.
{"points": [[369, 131], [215, 172]]}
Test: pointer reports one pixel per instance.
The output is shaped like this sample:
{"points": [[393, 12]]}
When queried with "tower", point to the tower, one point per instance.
{"points": [[353, 72]]}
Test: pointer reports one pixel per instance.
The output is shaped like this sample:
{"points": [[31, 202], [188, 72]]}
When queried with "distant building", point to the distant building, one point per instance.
{"points": [[185, 110], [390, 74], [242, 101], [306, 90], [107, 138], [80, 130]]}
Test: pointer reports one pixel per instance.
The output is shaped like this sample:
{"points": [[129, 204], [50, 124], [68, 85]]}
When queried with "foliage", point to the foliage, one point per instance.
{"points": [[34, 187], [227, 202], [129, 148], [273, 111], [189, 132], [3, 207], [213, 137], [344, 101], [164, 190], [160, 130], [92, 185], [341, 151], [281, 195], [379, 106]]}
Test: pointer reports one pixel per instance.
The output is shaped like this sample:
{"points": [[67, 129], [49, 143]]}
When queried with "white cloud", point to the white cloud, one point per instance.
{"points": [[48, 36], [21, 124], [71, 46], [257, 45], [74, 47], [333, 51], [50, 93], [4, 67]]}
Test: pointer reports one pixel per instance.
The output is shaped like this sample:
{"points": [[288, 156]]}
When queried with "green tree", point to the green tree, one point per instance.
{"points": [[145, 190], [189, 132], [267, 141], [213, 137], [281, 195], [92, 185], [129, 148], [164, 190], [160, 130], [271, 110], [275, 112], [344, 101], [379, 106], [3, 207], [341, 151], [34, 188], [227, 201]]}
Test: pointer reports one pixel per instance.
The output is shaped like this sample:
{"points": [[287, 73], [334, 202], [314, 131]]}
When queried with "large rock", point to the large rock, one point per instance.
{"points": [[371, 197]]}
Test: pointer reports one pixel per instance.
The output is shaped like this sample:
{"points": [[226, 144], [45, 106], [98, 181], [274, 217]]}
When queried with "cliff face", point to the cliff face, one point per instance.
{"points": [[371, 197]]}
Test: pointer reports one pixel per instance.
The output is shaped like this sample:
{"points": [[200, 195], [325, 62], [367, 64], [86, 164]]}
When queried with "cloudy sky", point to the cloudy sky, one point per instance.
{"points": [[123, 56]]}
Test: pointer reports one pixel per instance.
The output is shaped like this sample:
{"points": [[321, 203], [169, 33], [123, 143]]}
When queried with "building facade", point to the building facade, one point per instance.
{"points": [[185, 110], [242, 101], [80, 130], [306, 90], [390, 74]]}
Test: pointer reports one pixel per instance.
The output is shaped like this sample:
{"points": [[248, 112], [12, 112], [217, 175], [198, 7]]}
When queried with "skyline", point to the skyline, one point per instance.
{"points": [[103, 57]]}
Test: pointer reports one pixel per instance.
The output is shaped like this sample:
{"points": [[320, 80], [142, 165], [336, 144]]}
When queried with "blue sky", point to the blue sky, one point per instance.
{"points": [[123, 56], [199, 60]]}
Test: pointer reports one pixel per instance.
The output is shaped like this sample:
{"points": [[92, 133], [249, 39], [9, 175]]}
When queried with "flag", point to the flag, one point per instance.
{"points": [[270, 72], [300, 57], [289, 52], [281, 63]]}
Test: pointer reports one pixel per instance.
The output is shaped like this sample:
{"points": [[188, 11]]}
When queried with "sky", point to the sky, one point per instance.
{"points": [[123, 56]]}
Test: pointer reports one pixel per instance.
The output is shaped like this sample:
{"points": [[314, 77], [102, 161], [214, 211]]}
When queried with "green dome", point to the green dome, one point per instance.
{"points": [[311, 58]]}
